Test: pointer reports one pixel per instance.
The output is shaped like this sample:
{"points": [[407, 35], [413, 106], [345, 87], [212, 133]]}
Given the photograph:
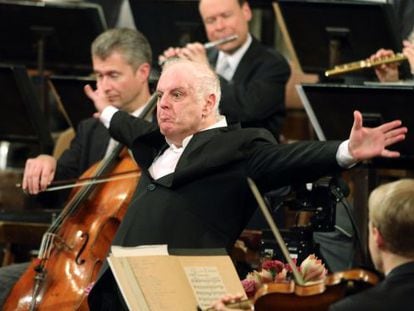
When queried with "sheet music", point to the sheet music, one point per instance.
{"points": [[142, 250], [206, 283]]}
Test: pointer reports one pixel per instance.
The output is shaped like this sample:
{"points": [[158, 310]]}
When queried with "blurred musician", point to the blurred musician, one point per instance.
{"points": [[404, 11]]}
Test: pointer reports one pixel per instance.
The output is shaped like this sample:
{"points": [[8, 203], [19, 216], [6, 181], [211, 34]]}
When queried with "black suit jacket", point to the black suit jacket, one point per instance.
{"points": [[87, 148], [395, 292], [404, 10], [256, 95], [206, 202]]}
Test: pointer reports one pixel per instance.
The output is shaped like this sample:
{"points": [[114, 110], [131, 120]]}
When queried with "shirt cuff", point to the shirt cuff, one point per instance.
{"points": [[107, 114], [343, 156]]}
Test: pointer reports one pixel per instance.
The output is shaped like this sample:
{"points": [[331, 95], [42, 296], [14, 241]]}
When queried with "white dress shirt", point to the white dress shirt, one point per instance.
{"points": [[112, 142], [227, 63]]}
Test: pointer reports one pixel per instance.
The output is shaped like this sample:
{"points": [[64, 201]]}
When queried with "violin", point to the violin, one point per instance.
{"points": [[296, 294], [75, 246], [314, 296]]}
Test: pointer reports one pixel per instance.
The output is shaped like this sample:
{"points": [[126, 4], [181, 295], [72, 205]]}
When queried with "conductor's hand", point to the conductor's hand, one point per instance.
{"points": [[366, 143], [99, 99], [385, 72], [38, 173]]}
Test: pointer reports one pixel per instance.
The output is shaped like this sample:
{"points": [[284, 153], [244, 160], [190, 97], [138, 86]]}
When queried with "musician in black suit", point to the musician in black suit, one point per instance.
{"points": [[391, 244], [121, 60], [252, 77], [404, 12], [193, 191]]}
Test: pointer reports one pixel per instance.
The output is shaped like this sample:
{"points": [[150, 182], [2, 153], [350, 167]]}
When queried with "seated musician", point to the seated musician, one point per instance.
{"points": [[121, 61], [193, 191], [391, 244]]}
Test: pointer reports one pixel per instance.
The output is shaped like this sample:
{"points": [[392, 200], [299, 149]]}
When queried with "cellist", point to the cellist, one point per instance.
{"points": [[391, 245], [193, 191], [121, 61]]}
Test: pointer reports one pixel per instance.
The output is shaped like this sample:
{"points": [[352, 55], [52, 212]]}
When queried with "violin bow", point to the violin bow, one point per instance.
{"points": [[260, 201]]}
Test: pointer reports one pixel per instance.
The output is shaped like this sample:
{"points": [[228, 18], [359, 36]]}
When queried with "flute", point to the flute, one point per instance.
{"points": [[211, 44], [354, 66]]}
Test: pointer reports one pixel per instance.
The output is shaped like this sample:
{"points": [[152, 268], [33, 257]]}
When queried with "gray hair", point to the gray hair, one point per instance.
{"points": [[132, 44], [207, 80]]}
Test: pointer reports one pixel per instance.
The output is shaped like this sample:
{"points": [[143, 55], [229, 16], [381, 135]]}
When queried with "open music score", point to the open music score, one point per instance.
{"points": [[362, 64], [150, 278]]}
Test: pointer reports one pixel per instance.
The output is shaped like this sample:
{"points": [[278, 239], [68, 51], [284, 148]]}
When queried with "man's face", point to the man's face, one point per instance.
{"points": [[118, 82], [223, 18], [179, 111]]}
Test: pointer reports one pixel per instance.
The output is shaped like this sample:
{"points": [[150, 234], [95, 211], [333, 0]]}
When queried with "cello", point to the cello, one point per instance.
{"points": [[296, 295], [76, 244]]}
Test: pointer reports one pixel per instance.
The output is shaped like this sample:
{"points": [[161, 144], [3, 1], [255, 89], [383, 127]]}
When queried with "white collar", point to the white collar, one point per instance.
{"points": [[137, 112], [220, 123], [235, 58]]}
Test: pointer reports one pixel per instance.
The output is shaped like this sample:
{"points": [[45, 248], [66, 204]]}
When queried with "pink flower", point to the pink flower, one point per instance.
{"points": [[312, 269], [255, 277], [281, 276], [249, 287], [274, 265], [266, 276]]}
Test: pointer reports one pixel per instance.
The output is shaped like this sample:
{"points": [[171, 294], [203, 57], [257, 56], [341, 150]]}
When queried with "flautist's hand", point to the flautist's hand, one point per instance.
{"points": [[385, 72]]}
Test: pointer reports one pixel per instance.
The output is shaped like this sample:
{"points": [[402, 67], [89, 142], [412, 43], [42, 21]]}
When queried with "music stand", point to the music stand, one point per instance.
{"points": [[326, 33], [71, 98], [21, 118], [59, 34]]}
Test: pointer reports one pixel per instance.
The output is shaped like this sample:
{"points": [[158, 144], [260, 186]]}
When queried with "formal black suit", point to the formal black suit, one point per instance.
{"points": [[87, 148], [395, 292], [255, 96], [404, 10], [206, 202]]}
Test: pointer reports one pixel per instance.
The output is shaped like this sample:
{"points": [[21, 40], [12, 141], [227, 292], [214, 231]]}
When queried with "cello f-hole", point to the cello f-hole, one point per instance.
{"points": [[85, 242]]}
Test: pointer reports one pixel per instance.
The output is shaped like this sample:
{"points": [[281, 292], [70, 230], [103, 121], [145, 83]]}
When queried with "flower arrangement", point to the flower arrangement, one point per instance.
{"points": [[312, 270]]}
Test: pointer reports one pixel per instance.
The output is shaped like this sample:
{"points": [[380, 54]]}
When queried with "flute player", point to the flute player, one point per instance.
{"points": [[252, 77]]}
